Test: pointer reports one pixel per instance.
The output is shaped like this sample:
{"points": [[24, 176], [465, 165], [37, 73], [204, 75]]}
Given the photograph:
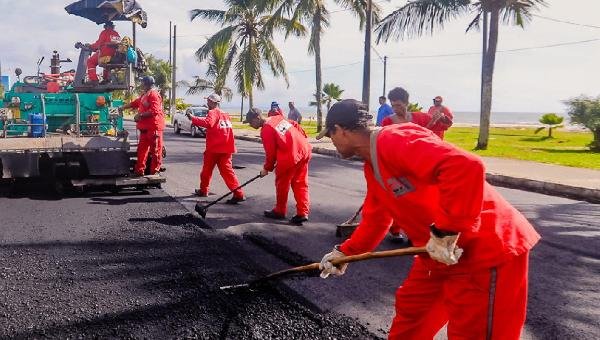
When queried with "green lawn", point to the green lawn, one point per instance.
{"points": [[566, 148]]}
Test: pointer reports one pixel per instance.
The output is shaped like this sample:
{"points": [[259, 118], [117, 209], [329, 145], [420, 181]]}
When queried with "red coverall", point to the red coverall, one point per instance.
{"points": [[106, 38], [220, 147], [430, 181], [275, 112], [286, 144], [151, 130], [439, 127], [419, 118]]}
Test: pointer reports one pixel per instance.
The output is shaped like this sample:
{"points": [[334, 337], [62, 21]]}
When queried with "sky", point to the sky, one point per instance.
{"points": [[535, 79]]}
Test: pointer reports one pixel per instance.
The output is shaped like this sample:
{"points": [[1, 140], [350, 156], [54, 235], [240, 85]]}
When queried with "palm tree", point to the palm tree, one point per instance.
{"points": [[426, 16], [330, 93], [218, 69], [315, 14], [248, 29]]}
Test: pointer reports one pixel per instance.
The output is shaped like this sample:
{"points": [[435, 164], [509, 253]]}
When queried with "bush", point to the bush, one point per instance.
{"points": [[585, 111]]}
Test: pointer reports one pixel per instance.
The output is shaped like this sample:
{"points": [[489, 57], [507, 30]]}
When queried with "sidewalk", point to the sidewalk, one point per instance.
{"points": [[557, 180]]}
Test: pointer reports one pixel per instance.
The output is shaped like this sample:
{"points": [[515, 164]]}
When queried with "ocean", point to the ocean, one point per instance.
{"points": [[460, 117]]}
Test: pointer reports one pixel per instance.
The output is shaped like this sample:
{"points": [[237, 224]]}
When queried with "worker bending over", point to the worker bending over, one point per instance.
{"points": [[474, 274], [288, 152], [220, 147]]}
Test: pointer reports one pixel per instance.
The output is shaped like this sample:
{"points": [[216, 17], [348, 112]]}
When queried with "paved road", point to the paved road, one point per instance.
{"points": [[565, 266]]}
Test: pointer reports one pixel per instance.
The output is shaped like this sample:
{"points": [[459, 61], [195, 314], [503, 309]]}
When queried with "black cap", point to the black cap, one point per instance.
{"points": [[348, 113], [251, 114], [109, 24]]}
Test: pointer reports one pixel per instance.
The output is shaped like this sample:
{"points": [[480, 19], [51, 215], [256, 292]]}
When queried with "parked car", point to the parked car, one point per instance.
{"points": [[182, 123]]}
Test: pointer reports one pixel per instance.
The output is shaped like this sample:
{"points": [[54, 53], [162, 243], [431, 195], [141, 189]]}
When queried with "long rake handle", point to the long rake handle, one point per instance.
{"points": [[231, 191], [348, 259]]}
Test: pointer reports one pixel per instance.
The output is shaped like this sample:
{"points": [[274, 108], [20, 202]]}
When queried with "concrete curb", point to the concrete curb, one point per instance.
{"points": [[548, 188]]}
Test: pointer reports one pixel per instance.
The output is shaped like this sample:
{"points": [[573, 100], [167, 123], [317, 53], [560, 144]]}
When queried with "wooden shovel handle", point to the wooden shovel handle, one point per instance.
{"points": [[348, 259]]}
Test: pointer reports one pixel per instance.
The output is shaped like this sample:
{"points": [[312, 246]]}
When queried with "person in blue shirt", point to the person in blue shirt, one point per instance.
{"points": [[384, 110]]}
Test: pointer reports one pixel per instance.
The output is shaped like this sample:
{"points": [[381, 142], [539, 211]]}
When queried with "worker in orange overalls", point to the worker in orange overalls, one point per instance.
{"points": [[105, 46], [288, 152], [220, 147], [150, 121], [441, 117], [474, 273]]}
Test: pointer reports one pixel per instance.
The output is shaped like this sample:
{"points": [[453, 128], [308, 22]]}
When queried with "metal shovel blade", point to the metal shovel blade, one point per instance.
{"points": [[201, 210]]}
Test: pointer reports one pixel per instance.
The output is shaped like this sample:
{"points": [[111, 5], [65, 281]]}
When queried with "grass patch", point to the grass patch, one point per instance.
{"points": [[566, 148]]}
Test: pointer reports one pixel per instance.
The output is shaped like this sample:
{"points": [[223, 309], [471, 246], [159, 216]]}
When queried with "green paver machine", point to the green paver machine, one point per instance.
{"points": [[50, 127]]}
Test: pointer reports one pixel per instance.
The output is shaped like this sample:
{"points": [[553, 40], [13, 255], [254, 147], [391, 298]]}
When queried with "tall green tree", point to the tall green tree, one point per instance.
{"points": [[426, 16], [248, 27], [216, 74], [585, 111], [161, 71], [315, 14], [330, 93]]}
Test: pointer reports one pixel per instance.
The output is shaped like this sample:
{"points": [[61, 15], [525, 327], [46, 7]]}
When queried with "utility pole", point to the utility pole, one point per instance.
{"points": [[242, 110], [174, 76], [384, 73], [170, 37], [367, 58]]}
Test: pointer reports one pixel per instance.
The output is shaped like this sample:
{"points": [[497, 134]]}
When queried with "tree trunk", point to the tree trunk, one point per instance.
{"points": [[487, 72], [318, 74], [250, 98], [596, 142], [366, 91], [550, 132]]}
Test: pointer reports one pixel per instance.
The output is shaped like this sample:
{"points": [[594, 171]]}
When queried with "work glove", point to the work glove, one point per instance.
{"points": [[328, 268], [137, 117], [188, 115], [442, 246], [263, 173], [121, 109]]}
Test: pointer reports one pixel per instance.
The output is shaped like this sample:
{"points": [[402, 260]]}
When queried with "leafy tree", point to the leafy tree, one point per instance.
{"points": [[552, 121], [216, 74], [414, 107], [426, 16], [330, 93], [181, 105], [585, 111], [162, 72], [315, 14], [247, 27]]}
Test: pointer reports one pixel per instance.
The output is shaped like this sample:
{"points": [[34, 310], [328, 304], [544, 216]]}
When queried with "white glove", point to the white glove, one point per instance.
{"points": [[442, 246], [328, 268]]}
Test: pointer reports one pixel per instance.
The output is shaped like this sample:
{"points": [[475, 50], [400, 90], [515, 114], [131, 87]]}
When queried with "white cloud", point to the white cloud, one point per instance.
{"points": [[528, 81]]}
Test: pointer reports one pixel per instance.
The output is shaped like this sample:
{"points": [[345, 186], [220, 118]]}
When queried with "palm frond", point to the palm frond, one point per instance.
{"points": [[518, 12], [208, 14], [419, 17], [223, 36], [274, 59], [198, 86]]}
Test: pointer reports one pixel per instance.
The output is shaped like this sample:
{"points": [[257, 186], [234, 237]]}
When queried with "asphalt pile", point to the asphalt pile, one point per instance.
{"points": [[123, 268]]}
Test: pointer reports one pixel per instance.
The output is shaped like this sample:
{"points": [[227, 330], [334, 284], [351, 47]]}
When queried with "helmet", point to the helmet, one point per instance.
{"points": [[109, 24], [148, 80]]}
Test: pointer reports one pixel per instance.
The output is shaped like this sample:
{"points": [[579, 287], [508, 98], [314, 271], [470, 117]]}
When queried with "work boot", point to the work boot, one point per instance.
{"points": [[274, 215], [298, 220], [235, 200], [200, 193]]}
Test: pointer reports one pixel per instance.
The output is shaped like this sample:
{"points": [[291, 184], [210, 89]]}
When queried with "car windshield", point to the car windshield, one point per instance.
{"points": [[199, 112]]}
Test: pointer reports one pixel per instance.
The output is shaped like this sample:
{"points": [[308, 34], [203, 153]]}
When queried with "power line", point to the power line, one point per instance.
{"points": [[565, 22], [458, 54]]}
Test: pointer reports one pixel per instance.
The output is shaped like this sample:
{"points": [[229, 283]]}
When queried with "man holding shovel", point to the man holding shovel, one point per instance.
{"points": [[474, 275], [286, 145], [220, 146]]}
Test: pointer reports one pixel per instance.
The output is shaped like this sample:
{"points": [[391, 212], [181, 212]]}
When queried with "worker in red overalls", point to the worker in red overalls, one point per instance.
{"points": [[105, 46], [474, 274], [150, 121], [275, 110], [220, 147], [441, 117], [288, 152]]}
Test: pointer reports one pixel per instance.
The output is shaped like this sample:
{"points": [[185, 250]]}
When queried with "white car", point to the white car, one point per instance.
{"points": [[182, 123]]}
